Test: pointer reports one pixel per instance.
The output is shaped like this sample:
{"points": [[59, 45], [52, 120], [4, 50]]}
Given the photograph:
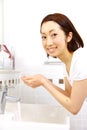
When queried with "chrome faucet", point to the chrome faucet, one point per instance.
{"points": [[2, 101], [4, 97]]}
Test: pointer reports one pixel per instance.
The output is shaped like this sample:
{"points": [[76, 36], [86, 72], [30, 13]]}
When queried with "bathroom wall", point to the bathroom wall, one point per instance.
{"points": [[22, 31], [1, 20]]}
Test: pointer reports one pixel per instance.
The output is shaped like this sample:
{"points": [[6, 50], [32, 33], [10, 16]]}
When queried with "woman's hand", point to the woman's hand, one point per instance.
{"points": [[33, 81]]}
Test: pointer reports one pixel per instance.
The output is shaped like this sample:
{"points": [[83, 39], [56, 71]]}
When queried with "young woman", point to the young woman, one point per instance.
{"points": [[60, 39]]}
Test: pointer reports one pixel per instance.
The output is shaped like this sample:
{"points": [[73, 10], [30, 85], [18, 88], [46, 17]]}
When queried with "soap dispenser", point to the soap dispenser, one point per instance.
{"points": [[7, 57]]}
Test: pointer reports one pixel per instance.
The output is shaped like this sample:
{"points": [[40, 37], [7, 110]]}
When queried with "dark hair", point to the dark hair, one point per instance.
{"points": [[67, 26]]}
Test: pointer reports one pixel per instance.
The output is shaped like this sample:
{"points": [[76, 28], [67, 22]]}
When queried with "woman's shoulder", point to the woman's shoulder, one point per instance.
{"points": [[81, 52], [79, 64], [79, 57], [81, 49]]}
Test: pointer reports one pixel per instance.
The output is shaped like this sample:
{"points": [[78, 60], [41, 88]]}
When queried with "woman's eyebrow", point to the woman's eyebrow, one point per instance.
{"points": [[49, 31]]}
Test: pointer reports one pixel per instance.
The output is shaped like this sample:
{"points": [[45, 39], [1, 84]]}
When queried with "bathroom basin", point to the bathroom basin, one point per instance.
{"points": [[34, 116]]}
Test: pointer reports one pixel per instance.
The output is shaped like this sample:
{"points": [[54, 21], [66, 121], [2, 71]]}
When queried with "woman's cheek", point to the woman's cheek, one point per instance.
{"points": [[59, 40]]}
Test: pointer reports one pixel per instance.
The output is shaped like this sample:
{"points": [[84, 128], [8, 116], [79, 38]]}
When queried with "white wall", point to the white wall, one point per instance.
{"points": [[22, 26], [1, 21]]}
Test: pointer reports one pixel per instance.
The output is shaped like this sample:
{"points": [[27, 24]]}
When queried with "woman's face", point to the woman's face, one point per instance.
{"points": [[54, 39]]}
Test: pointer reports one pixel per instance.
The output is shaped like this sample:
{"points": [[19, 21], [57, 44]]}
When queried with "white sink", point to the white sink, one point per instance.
{"points": [[34, 116]]}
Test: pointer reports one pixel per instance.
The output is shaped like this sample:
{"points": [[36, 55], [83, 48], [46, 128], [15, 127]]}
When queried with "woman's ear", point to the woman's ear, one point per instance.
{"points": [[69, 37]]}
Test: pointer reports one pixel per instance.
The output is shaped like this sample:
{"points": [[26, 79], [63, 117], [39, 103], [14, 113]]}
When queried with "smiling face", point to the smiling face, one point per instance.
{"points": [[54, 39]]}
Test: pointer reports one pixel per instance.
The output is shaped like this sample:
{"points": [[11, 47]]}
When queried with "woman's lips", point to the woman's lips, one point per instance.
{"points": [[51, 50]]}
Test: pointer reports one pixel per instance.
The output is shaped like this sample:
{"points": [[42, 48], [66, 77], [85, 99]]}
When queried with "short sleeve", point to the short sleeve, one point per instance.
{"points": [[79, 65]]}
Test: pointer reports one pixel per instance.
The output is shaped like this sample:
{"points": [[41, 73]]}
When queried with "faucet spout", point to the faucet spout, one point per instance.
{"points": [[8, 79], [4, 98], [2, 101]]}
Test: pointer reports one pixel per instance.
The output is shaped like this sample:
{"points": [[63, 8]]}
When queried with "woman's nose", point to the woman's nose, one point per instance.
{"points": [[49, 41]]}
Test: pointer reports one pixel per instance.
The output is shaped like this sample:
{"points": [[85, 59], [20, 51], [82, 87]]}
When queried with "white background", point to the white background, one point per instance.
{"points": [[22, 20]]}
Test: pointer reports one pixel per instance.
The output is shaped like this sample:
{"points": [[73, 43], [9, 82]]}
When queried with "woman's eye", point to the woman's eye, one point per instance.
{"points": [[43, 37], [54, 34]]}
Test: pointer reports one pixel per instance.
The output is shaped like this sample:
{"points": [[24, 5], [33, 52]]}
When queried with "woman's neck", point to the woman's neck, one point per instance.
{"points": [[66, 59]]}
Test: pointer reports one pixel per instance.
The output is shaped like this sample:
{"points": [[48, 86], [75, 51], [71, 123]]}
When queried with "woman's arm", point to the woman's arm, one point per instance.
{"points": [[34, 82], [72, 99], [75, 98]]}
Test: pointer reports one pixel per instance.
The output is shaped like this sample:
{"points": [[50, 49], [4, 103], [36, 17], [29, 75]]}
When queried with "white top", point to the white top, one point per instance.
{"points": [[78, 69]]}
